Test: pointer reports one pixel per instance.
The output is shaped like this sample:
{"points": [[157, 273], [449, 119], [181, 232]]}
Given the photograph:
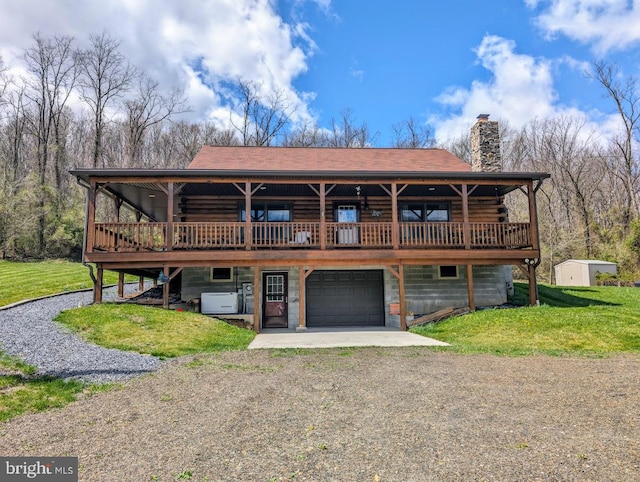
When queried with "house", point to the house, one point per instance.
{"points": [[318, 237], [582, 272]]}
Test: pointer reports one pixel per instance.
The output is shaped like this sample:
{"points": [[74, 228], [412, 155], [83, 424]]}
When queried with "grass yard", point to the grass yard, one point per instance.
{"points": [[154, 331], [589, 321], [128, 327], [22, 392], [26, 280]]}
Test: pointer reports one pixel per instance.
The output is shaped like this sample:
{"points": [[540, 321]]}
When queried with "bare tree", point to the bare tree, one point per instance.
{"points": [[346, 133], [148, 108], [105, 76], [4, 80], [626, 97], [306, 135], [52, 65], [263, 116], [561, 147], [459, 146], [409, 134]]}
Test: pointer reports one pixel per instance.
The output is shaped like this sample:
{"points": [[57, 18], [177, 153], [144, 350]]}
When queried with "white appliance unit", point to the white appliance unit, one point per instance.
{"points": [[219, 303]]}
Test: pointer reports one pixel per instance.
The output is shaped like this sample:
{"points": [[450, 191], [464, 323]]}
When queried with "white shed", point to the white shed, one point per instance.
{"points": [[582, 272]]}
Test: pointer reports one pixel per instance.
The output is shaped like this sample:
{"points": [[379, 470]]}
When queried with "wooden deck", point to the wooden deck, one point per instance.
{"points": [[153, 237]]}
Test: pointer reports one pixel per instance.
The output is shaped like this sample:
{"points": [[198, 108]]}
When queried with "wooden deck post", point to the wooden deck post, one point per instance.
{"points": [[395, 234], [257, 299], [470, 291], [141, 283], [169, 235], [533, 216], [121, 284], [247, 216], [97, 286], [323, 220], [465, 219], [166, 289], [91, 216], [533, 285]]}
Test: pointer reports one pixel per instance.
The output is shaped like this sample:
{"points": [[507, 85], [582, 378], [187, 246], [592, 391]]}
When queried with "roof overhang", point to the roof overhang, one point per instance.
{"points": [[143, 189]]}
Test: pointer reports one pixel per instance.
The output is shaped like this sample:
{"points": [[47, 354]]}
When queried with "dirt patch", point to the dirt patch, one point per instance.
{"points": [[353, 414]]}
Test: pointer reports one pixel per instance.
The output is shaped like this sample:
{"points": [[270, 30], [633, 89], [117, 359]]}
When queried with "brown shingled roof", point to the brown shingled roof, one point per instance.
{"points": [[292, 159]]}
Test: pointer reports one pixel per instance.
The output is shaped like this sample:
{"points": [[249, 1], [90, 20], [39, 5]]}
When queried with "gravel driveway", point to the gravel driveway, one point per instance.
{"points": [[366, 414], [27, 331]]}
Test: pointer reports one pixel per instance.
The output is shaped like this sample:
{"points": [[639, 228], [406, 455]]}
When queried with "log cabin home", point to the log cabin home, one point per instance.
{"points": [[319, 237]]}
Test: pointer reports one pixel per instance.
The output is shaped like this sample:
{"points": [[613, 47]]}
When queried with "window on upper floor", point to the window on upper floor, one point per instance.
{"points": [[423, 212], [268, 212]]}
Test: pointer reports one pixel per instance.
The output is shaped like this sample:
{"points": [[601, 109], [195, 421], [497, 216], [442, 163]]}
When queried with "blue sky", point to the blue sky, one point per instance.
{"points": [[441, 63]]}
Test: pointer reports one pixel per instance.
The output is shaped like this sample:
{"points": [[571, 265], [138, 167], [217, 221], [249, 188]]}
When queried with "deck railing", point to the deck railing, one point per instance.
{"points": [[129, 236], [126, 237]]}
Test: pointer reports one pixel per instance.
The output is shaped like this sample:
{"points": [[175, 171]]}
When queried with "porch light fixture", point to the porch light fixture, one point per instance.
{"points": [[152, 195], [358, 191], [432, 189]]}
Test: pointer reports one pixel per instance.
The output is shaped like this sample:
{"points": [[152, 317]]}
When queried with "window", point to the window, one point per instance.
{"points": [[447, 272], [221, 274], [261, 212], [423, 212], [413, 213]]}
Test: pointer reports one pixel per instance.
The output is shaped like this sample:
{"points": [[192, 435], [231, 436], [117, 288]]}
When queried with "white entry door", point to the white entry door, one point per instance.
{"points": [[348, 214]]}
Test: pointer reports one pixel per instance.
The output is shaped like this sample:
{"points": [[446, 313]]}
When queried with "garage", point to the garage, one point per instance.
{"points": [[345, 298]]}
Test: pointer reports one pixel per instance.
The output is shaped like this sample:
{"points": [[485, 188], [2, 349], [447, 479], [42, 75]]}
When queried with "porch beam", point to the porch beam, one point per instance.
{"points": [[169, 233], [239, 188], [395, 234], [247, 215], [465, 217], [257, 188], [91, 216], [323, 220], [205, 179], [533, 216], [313, 188], [117, 201], [230, 258]]}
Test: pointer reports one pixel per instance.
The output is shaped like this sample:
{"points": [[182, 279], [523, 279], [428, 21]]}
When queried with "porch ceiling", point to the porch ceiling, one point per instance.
{"points": [[151, 199], [145, 190]]}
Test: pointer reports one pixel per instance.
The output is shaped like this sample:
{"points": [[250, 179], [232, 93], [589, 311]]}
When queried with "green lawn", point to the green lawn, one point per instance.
{"points": [[147, 330], [21, 391], [26, 280], [591, 321], [154, 331]]}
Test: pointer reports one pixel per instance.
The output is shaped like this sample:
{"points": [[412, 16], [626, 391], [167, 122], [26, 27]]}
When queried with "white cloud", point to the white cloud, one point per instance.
{"points": [[606, 24], [229, 39], [519, 89]]}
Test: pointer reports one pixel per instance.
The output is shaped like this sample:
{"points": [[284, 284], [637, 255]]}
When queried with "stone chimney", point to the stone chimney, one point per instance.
{"points": [[485, 145]]}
